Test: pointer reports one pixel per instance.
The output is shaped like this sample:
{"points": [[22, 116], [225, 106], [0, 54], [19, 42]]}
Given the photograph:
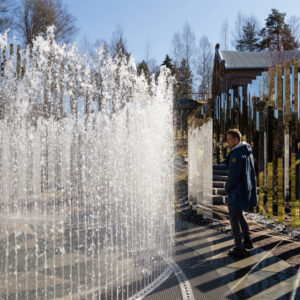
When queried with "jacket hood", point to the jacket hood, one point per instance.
{"points": [[244, 148]]}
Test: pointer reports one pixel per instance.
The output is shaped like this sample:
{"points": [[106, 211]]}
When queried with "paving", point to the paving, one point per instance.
{"points": [[202, 270], [201, 253]]}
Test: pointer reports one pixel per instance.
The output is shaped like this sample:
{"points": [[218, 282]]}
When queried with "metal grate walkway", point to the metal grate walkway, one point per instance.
{"points": [[201, 256]]}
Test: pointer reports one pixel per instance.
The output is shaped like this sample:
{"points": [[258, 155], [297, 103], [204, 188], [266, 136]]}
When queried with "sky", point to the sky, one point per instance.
{"points": [[152, 23]]}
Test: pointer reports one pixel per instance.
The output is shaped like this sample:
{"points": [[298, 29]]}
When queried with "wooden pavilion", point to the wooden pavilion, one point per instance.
{"points": [[233, 69], [258, 92]]}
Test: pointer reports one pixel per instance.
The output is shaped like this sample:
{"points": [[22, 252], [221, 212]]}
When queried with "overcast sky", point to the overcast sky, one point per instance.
{"points": [[154, 22]]}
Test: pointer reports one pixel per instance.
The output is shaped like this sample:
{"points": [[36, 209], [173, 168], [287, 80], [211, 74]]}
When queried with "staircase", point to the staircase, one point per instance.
{"points": [[220, 174]]}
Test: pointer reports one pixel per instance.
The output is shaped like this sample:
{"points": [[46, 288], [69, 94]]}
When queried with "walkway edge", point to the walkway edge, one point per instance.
{"points": [[153, 285], [185, 286]]}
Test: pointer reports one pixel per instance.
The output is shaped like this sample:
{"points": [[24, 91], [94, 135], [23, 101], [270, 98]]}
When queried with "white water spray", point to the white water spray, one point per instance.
{"points": [[86, 162]]}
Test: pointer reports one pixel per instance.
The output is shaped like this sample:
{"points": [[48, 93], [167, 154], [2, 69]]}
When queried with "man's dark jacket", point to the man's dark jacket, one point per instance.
{"points": [[241, 182]]}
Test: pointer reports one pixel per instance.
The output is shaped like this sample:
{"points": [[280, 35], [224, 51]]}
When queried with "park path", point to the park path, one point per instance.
{"points": [[201, 253]]}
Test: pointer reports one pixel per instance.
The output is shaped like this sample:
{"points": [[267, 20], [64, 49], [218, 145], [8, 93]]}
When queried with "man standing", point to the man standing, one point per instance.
{"points": [[241, 189]]}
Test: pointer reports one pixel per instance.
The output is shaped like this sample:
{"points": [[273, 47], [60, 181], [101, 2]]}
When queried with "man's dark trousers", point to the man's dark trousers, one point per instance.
{"points": [[238, 222]]}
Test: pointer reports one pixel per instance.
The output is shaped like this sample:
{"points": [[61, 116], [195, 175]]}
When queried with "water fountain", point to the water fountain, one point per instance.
{"points": [[86, 163]]}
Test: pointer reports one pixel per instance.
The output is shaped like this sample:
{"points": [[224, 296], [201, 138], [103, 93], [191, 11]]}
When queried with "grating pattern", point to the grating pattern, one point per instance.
{"points": [[167, 290], [185, 286], [201, 274], [161, 290], [154, 285]]}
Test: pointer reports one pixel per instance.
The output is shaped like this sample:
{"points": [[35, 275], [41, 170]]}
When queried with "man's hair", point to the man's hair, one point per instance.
{"points": [[235, 133]]}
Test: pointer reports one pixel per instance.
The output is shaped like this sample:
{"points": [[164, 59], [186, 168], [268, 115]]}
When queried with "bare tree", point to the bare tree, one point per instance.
{"points": [[294, 25], [205, 64], [147, 50], [177, 48], [35, 16], [85, 46], [237, 34], [224, 35], [189, 43], [6, 20], [150, 61], [118, 45], [184, 45], [153, 66]]}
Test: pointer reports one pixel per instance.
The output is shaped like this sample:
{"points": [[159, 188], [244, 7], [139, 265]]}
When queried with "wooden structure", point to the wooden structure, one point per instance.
{"points": [[187, 106], [258, 93]]}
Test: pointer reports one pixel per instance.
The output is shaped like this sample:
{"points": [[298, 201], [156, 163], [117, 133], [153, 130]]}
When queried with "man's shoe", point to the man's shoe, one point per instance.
{"points": [[238, 253], [248, 244]]}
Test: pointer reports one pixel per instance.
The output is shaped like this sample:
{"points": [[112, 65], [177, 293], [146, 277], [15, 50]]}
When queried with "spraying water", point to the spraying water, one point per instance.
{"points": [[86, 162]]}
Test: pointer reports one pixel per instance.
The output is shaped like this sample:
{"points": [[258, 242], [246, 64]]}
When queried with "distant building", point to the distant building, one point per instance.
{"points": [[233, 87], [233, 69]]}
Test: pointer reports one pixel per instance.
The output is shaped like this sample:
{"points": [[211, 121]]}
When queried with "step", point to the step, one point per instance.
{"points": [[220, 172], [218, 184], [219, 199], [219, 188], [219, 178], [220, 192], [219, 167]]}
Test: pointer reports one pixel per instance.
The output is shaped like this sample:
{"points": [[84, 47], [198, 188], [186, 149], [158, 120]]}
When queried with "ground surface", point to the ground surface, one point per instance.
{"points": [[280, 244], [200, 253]]}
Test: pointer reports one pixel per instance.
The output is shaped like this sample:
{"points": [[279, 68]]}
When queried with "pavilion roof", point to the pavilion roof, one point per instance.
{"points": [[186, 103], [255, 60]]}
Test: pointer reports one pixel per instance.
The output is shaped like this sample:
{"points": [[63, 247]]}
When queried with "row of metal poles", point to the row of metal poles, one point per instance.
{"points": [[270, 123]]}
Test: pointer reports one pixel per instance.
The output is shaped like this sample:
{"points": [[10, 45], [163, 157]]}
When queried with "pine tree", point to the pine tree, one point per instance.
{"points": [[250, 37], [168, 63], [120, 49], [144, 69], [184, 79], [276, 35], [288, 40]]}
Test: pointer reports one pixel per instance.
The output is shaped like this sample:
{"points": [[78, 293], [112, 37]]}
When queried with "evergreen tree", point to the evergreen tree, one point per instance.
{"points": [[121, 49], [276, 35], [118, 47], [184, 79], [168, 63], [288, 40], [250, 37], [144, 69]]}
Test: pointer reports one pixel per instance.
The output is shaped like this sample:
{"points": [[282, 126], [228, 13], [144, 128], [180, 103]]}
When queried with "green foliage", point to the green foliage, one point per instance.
{"points": [[144, 69], [250, 37], [276, 35], [120, 49], [168, 63], [184, 79]]}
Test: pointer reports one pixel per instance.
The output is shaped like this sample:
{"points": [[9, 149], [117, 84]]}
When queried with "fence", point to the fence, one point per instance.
{"points": [[267, 114]]}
